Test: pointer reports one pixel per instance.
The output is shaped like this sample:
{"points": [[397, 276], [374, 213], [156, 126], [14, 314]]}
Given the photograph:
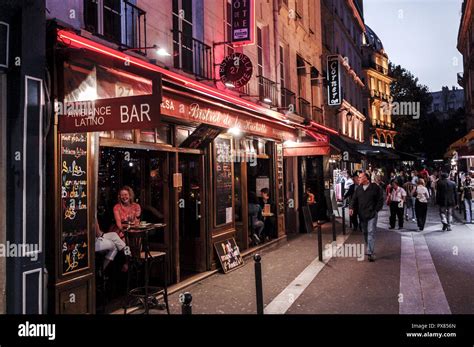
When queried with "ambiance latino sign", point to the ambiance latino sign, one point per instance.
{"points": [[133, 112], [334, 81]]}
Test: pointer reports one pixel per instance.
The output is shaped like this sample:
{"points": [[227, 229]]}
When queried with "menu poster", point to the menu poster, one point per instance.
{"points": [[281, 198], [223, 180], [229, 254], [74, 202]]}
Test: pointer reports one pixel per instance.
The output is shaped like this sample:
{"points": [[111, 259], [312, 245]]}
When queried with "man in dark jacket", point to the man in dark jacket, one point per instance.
{"points": [[367, 201], [446, 199]]}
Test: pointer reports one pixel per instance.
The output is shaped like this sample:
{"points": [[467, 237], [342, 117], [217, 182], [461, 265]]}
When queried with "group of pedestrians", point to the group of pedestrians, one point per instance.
{"points": [[407, 196]]}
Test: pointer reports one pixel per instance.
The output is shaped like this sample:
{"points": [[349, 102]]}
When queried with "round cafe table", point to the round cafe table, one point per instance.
{"points": [[139, 248]]}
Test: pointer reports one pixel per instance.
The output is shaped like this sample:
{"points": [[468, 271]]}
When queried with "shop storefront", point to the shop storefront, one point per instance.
{"points": [[191, 159], [307, 157]]}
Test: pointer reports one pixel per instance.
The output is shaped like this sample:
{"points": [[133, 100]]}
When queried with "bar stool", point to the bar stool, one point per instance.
{"points": [[140, 256]]}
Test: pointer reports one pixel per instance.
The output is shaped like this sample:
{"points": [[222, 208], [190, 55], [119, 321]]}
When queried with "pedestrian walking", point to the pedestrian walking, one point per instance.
{"points": [[396, 201], [466, 198], [421, 195], [446, 199], [367, 201], [410, 212], [354, 220]]}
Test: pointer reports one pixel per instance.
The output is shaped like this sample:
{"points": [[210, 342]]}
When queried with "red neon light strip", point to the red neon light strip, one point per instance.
{"points": [[81, 42]]}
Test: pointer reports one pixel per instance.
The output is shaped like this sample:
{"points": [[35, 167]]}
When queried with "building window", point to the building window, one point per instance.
{"points": [[228, 28], [118, 21], [189, 53], [183, 34], [259, 52]]}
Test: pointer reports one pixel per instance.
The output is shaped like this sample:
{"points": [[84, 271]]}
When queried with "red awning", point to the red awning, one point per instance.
{"points": [[300, 149]]}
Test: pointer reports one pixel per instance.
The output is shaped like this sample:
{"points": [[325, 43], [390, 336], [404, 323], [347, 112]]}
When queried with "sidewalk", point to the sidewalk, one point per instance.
{"points": [[295, 282]]}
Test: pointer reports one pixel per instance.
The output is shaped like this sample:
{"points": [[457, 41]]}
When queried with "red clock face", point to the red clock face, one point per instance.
{"points": [[236, 69]]}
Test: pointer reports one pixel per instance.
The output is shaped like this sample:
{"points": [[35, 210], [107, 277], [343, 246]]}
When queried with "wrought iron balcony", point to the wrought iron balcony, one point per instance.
{"points": [[267, 90], [120, 22], [288, 100], [192, 56], [304, 108]]}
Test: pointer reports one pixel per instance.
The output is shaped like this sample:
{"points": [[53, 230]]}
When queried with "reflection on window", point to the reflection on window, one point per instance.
{"points": [[126, 135], [148, 135]]}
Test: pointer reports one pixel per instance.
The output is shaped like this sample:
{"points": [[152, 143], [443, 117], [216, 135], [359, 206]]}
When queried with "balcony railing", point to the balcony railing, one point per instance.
{"points": [[288, 100], [244, 90], [267, 90], [192, 56], [122, 23], [304, 108]]}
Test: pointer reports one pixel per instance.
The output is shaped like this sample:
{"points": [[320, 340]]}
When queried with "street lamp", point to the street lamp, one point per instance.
{"points": [[349, 116]]}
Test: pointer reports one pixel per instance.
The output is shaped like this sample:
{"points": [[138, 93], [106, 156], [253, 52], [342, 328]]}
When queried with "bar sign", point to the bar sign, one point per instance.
{"points": [[334, 81], [242, 21]]}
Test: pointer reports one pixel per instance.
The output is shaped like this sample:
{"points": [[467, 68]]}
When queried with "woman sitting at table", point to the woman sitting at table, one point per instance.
{"points": [[126, 211], [110, 243]]}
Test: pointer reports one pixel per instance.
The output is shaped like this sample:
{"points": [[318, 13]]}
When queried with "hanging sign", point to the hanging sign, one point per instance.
{"points": [[334, 81], [236, 69], [242, 22]]}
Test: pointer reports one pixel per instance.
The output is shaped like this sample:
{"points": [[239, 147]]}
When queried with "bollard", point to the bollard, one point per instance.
{"points": [[320, 243], [333, 220], [258, 283], [343, 220], [186, 303]]}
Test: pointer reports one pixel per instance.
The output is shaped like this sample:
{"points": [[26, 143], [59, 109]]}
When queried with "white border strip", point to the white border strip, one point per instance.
{"points": [[40, 289], [8, 43], [40, 164]]}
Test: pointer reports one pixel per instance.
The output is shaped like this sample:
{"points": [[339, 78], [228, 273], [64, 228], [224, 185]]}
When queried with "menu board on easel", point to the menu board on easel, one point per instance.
{"points": [[223, 181], [74, 202]]}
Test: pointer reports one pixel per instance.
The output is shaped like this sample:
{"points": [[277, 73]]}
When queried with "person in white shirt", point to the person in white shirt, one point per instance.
{"points": [[396, 200], [421, 194]]}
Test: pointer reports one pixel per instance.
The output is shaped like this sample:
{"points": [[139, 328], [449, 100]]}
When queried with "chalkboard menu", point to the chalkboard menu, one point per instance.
{"points": [[229, 255], [74, 202], [223, 180]]}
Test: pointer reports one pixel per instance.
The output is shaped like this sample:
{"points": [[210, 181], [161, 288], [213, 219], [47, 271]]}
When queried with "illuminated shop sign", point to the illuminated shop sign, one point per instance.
{"points": [[334, 81], [243, 22]]}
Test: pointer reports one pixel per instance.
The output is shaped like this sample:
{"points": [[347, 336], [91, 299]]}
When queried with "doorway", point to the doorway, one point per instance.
{"points": [[192, 235]]}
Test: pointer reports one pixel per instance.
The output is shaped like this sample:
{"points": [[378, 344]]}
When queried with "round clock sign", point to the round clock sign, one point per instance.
{"points": [[236, 69]]}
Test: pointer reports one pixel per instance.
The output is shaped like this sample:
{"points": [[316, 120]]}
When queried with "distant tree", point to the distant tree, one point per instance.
{"points": [[411, 132]]}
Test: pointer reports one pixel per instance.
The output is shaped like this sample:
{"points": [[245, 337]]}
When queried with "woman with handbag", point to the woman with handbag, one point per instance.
{"points": [[421, 194]]}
